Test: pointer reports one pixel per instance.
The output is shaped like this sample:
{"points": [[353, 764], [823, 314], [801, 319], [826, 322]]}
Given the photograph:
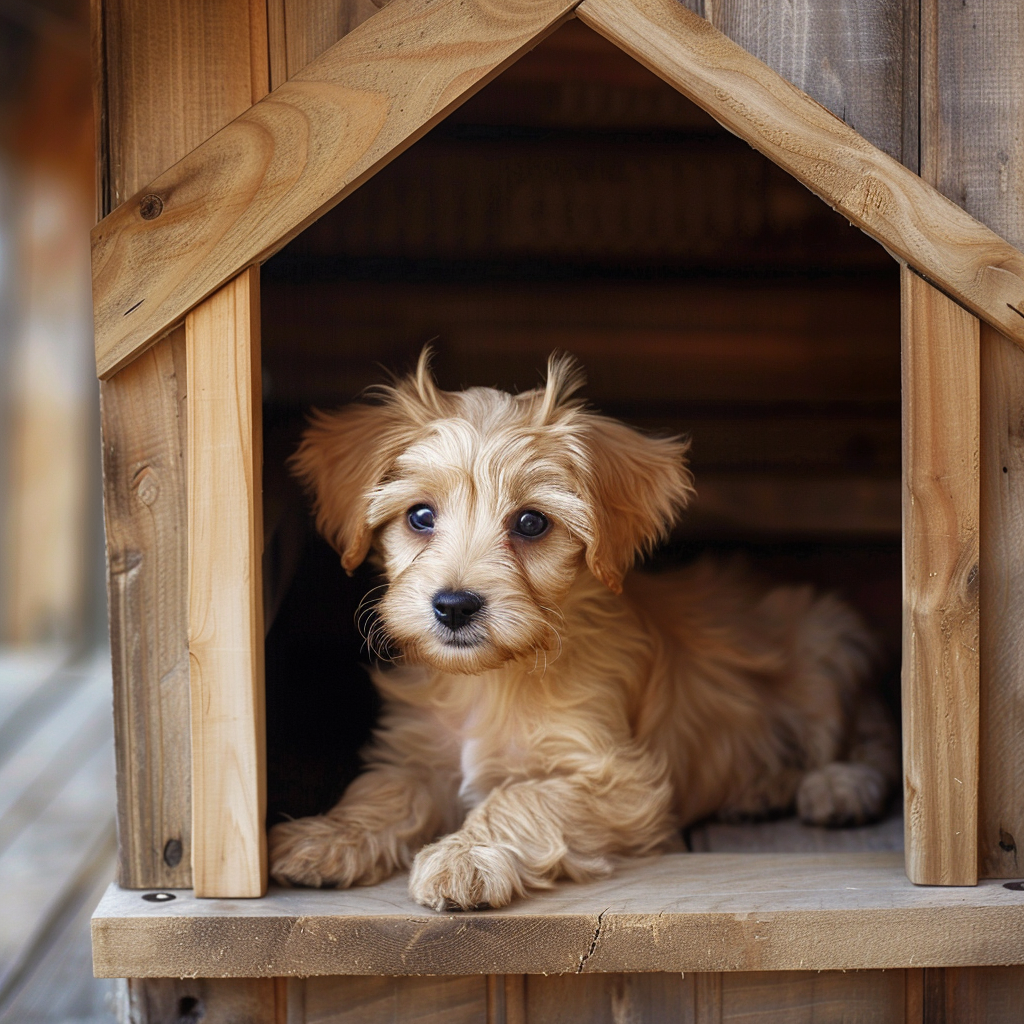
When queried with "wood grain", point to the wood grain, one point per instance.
{"points": [[170, 1000], [610, 998], [873, 191], [387, 1000], [680, 912], [849, 55], [143, 415], [164, 83], [291, 157], [805, 997], [972, 150], [1001, 771], [941, 442], [225, 549], [312, 26]]}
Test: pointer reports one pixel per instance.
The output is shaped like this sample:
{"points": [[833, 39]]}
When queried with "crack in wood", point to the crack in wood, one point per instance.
{"points": [[593, 942]]}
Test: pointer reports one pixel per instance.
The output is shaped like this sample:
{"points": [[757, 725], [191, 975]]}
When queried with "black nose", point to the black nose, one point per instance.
{"points": [[456, 607]]}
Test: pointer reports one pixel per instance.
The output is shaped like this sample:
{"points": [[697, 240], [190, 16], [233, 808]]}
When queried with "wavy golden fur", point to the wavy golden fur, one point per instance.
{"points": [[585, 712]]}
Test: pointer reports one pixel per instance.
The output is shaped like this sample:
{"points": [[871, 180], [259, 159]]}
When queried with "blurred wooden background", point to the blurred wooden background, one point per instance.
{"points": [[57, 842]]}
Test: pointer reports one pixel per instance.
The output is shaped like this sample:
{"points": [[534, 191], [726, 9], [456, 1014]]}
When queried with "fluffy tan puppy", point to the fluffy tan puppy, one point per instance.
{"points": [[552, 712]]}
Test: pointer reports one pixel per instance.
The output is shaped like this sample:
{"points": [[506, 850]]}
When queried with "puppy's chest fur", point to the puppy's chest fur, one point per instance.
{"points": [[514, 725]]}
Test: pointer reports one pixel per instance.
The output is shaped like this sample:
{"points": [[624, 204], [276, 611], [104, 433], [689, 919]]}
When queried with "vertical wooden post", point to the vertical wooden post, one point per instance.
{"points": [[941, 445], [225, 547], [972, 150]]}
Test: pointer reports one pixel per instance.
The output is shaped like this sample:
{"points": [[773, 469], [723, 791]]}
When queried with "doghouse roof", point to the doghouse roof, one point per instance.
{"points": [[253, 186]]}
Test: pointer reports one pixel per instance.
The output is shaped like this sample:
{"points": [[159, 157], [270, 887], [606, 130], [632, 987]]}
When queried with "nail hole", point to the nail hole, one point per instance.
{"points": [[158, 897]]}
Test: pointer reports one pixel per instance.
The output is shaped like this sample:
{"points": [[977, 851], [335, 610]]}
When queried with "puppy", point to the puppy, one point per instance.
{"points": [[551, 712]]}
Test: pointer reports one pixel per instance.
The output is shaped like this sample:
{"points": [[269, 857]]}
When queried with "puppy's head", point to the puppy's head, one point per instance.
{"points": [[484, 506]]}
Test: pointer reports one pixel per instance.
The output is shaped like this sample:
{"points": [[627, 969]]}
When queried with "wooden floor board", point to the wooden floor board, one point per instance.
{"points": [[57, 839], [679, 912], [789, 835]]}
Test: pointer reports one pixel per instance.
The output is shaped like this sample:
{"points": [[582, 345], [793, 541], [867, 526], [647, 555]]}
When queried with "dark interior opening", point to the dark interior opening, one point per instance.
{"points": [[580, 203]]}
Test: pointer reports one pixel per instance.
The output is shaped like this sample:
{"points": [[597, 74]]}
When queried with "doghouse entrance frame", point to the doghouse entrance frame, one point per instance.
{"points": [[240, 196]]}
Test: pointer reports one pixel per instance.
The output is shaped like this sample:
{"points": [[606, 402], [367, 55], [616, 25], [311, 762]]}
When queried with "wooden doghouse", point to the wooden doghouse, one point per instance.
{"points": [[250, 122]]}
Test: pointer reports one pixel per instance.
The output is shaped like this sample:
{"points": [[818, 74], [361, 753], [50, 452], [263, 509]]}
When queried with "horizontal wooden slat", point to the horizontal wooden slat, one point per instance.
{"points": [[680, 912], [259, 181], [876, 193], [641, 342]]}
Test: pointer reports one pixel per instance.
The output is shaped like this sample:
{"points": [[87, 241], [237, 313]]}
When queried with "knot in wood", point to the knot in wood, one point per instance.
{"points": [[151, 207], [147, 485]]}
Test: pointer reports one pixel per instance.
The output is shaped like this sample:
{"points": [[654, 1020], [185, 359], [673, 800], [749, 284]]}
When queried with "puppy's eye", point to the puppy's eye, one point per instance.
{"points": [[421, 518], [530, 523]]}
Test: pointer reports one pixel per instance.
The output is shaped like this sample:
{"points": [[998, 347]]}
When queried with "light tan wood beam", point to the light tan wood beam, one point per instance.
{"points": [[916, 223], [225, 546], [941, 497], [258, 182]]}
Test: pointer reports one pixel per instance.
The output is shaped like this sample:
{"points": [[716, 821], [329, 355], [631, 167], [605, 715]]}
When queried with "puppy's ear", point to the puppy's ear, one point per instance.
{"points": [[342, 457], [636, 488]]}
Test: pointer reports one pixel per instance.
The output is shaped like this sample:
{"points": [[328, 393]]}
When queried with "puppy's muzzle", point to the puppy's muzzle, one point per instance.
{"points": [[456, 608]]}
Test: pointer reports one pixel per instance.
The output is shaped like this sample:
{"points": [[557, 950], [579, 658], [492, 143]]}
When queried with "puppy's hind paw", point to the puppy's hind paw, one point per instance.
{"points": [[842, 794], [322, 852], [458, 874]]}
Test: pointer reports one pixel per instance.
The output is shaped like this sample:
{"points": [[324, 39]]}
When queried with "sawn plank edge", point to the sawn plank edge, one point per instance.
{"points": [[680, 912]]}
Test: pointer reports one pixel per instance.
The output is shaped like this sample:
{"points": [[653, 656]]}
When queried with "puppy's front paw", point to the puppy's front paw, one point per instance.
{"points": [[842, 794], [458, 874], [323, 852]]}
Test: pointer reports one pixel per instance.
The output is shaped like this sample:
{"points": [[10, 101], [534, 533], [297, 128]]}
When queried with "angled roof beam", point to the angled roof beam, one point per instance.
{"points": [[257, 183], [915, 222], [252, 187]]}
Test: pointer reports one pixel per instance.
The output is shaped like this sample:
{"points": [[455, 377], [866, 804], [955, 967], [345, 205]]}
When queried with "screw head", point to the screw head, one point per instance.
{"points": [[151, 207], [1015, 886], [158, 897]]}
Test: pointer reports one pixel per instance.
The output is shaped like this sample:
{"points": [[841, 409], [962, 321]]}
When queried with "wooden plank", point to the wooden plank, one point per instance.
{"points": [[653, 343], [313, 26], [57, 984], [143, 415], [869, 188], [1001, 770], [72, 731], [173, 1001], [805, 997], [848, 55], [972, 150], [994, 995], [295, 155], [865, 506], [680, 912], [941, 443], [367, 1000], [172, 80], [225, 549], [610, 998], [56, 849], [164, 84]]}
